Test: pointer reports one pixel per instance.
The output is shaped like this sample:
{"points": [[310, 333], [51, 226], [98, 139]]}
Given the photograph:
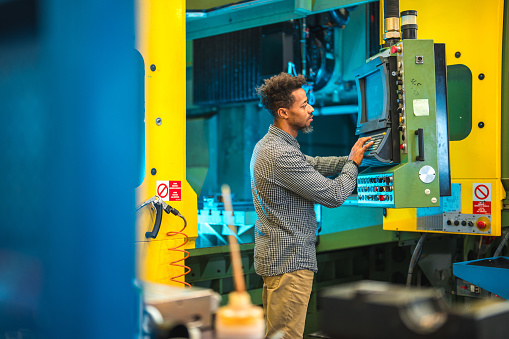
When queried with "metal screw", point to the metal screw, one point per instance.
{"points": [[159, 121], [457, 54], [481, 76], [153, 171], [152, 67], [481, 124]]}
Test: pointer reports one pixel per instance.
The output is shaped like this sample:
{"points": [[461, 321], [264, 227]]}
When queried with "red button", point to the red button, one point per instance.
{"points": [[395, 49], [382, 197], [481, 224]]}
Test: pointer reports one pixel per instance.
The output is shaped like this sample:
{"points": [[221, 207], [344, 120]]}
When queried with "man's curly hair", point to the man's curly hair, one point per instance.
{"points": [[277, 91]]}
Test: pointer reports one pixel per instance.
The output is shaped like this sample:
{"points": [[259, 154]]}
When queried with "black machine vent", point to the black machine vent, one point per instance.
{"points": [[228, 67]]}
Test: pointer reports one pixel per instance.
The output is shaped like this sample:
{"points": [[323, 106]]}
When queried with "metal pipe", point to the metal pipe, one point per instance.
{"points": [[502, 244], [391, 22], [303, 45], [415, 258]]}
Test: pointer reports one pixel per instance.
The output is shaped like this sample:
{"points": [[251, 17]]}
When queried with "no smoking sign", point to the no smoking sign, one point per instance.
{"points": [[169, 190], [481, 198]]}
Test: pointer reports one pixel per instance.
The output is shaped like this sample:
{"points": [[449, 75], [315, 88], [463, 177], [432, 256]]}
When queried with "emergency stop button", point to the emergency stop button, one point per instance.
{"points": [[483, 224]]}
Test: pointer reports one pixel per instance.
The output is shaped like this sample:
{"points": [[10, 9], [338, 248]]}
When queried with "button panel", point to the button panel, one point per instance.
{"points": [[466, 223], [375, 190], [377, 140]]}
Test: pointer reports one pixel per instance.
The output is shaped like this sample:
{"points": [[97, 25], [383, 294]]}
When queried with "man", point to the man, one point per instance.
{"points": [[285, 185]]}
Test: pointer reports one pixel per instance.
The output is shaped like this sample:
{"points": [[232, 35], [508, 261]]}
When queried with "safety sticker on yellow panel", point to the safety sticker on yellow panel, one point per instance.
{"points": [[169, 190], [481, 198]]}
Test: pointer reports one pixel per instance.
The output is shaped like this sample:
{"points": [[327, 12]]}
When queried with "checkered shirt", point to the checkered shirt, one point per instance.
{"points": [[286, 184]]}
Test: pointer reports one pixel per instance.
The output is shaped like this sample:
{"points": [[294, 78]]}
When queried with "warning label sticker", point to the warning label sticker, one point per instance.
{"points": [[169, 190], [481, 198]]}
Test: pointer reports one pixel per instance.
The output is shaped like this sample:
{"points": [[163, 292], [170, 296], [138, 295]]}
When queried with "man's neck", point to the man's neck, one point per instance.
{"points": [[282, 125]]}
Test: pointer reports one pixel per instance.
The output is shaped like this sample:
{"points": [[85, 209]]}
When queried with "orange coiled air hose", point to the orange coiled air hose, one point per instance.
{"points": [[187, 269]]}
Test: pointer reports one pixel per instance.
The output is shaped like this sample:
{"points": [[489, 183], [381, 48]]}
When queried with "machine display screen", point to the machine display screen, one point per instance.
{"points": [[374, 97]]}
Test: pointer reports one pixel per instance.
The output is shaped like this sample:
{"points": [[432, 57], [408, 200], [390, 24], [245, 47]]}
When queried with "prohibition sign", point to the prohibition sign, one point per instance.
{"points": [[162, 190], [482, 192]]}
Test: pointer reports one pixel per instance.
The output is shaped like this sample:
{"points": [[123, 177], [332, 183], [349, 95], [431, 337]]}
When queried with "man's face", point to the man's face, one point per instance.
{"points": [[301, 113]]}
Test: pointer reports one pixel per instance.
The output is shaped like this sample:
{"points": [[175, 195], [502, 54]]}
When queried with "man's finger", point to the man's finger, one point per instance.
{"points": [[368, 144], [362, 140]]}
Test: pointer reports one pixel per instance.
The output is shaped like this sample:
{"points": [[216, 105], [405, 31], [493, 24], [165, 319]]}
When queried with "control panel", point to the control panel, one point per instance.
{"points": [[466, 223], [377, 141], [403, 164], [376, 190], [466, 289], [454, 215], [377, 153]]}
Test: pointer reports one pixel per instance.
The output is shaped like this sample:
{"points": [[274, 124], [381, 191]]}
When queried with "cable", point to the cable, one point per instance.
{"points": [[187, 269], [415, 258], [502, 244], [159, 205], [292, 69]]}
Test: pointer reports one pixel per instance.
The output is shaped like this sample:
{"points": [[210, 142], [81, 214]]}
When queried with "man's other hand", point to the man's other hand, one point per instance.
{"points": [[357, 152]]}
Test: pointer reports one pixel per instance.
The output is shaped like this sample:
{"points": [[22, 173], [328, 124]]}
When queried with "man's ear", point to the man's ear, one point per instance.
{"points": [[282, 113]]}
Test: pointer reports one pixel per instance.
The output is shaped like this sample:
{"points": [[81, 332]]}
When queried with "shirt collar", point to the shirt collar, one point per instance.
{"points": [[283, 135]]}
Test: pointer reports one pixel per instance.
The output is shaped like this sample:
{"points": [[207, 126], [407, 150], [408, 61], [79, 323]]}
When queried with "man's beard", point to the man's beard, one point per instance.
{"points": [[307, 129]]}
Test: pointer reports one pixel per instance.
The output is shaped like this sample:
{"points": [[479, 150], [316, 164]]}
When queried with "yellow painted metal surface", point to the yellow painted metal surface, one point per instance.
{"points": [[401, 219], [475, 30], [480, 45], [160, 38]]}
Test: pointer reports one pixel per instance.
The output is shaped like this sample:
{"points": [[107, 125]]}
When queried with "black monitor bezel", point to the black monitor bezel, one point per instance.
{"points": [[378, 64]]}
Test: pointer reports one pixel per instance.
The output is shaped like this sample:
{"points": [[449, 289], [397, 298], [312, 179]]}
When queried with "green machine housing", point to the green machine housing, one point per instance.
{"points": [[403, 108]]}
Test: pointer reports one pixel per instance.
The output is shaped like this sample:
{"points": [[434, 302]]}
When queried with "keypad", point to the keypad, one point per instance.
{"points": [[377, 140]]}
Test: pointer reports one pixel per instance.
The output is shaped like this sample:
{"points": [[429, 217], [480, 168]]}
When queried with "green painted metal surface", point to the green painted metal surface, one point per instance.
{"points": [[419, 82], [416, 65], [459, 101], [366, 236]]}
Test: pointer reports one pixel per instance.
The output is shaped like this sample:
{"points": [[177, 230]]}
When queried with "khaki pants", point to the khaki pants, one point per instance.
{"points": [[285, 302]]}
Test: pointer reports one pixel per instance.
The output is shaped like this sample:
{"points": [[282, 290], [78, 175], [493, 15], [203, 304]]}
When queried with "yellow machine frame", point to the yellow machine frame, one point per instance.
{"points": [[161, 40], [475, 31]]}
